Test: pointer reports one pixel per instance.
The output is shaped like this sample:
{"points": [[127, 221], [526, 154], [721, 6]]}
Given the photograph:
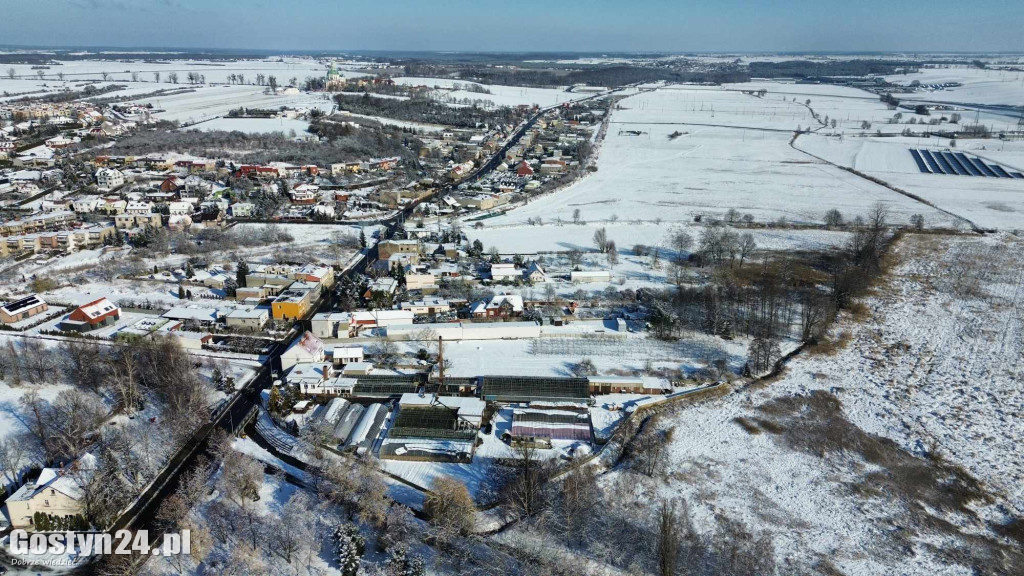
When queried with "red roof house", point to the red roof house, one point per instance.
{"points": [[91, 316]]}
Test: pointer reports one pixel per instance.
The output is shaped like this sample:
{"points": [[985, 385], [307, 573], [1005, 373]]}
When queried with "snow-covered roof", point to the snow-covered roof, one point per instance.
{"points": [[67, 480], [97, 308]]}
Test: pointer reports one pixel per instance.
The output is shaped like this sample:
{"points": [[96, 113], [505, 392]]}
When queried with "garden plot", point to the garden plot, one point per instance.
{"points": [[848, 458], [708, 170]]}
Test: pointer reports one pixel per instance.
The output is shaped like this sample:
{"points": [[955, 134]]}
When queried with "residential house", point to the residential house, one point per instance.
{"points": [[342, 355], [252, 319], [304, 194], [500, 306], [388, 247], [87, 317], [56, 492], [331, 324], [242, 210], [305, 348], [427, 306], [109, 178], [293, 303], [502, 272], [534, 273]]}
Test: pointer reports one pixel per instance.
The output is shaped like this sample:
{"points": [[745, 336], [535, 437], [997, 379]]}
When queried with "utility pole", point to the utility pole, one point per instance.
{"points": [[440, 363]]}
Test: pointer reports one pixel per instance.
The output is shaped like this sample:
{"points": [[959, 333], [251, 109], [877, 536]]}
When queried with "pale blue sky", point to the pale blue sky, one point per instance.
{"points": [[520, 25]]}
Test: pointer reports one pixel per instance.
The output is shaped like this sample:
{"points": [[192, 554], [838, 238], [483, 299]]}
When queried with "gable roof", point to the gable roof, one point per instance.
{"points": [[97, 308]]}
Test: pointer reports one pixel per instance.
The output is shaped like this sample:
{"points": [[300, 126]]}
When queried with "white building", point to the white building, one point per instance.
{"points": [[109, 178], [242, 209], [305, 348]]}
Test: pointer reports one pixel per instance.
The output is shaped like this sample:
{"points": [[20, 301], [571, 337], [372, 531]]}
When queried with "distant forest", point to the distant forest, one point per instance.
{"points": [[618, 75], [806, 68], [419, 109], [599, 76], [353, 145]]}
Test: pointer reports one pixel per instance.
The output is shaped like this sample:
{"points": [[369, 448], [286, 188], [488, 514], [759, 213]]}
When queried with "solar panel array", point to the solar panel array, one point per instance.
{"points": [[958, 164]]}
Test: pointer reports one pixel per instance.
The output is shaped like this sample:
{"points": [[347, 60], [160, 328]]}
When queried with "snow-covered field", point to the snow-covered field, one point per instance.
{"points": [[255, 125], [987, 202], [552, 237], [213, 101], [707, 170], [559, 348], [867, 483], [991, 86], [499, 96], [215, 71]]}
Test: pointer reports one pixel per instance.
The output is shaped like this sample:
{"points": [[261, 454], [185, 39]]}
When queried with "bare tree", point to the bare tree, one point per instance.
{"points": [[575, 213], [105, 75], [451, 509], [385, 351], [156, 77], [124, 369], [297, 525], [523, 493], [746, 246], [173, 77], [577, 498], [601, 240], [11, 73], [611, 253], [668, 540], [833, 218]]}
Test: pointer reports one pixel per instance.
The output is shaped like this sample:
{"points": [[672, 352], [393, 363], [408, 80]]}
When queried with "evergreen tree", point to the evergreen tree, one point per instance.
{"points": [[351, 546], [241, 272], [181, 292], [362, 238], [398, 273], [274, 401], [400, 563]]}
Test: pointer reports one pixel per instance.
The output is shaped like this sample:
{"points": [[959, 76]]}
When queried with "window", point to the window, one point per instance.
{"points": [[46, 502]]}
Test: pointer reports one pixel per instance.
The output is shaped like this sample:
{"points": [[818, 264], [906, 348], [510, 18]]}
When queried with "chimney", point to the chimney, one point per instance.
{"points": [[327, 371]]}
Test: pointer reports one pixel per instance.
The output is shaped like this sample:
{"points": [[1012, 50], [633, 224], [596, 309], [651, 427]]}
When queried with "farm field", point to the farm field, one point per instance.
{"points": [[987, 202], [991, 86], [500, 95], [646, 174], [552, 237], [254, 125]]}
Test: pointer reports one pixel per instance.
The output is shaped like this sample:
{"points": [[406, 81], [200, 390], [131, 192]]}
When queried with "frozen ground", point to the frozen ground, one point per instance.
{"points": [[215, 71], [208, 102], [850, 460], [326, 243], [500, 95], [979, 86], [255, 125], [987, 202], [552, 237], [745, 162], [612, 352]]}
